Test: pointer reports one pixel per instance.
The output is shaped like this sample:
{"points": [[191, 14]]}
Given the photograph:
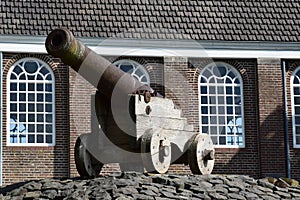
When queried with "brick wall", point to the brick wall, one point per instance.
{"points": [[24, 163], [271, 117], [181, 80]]}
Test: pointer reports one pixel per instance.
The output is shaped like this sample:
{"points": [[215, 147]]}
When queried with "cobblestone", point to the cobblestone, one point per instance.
{"points": [[132, 185]]}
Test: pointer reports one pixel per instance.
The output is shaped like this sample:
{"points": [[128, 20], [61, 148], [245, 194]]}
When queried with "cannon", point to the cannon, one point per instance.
{"points": [[135, 126]]}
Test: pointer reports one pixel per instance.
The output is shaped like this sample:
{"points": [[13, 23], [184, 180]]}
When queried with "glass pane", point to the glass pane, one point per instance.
{"points": [[237, 100], [221, 100], [13, 86], [44, 71], [40, 138], [49, 139], [212, 110], [40, 87], [229, 110], [22, 117], [31, 107], [31, 118], [229, 100], [219, 71], [40, 118], [297, 120], [220, 90], [31, 66], [222, 140], [212, 90], [48, 128], [203, 80], [222, 120], [17, 70], [22, 97], [48, 97], [49, 118], [31, 87], [22, 107], [214, 140], [31, 138], [31, 128], [127, 68], [297, 110], [31, 97], [213, 119], [13, 107], [212, 100], [49, 77], [13, 97], [214, 130], [298, 130], [40, 107], [230, 140], [40, 128], [238, 110], [203, 89], [204, 120], [298, 140], [204, 109], [204, 129], [228, 90], [40, 97], [48, 87], [237, 90], [221, 109], [48, 107], [204, 100], [22, 86]]}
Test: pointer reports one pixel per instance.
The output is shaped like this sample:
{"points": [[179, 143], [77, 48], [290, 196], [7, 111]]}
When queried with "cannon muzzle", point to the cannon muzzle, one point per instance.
{"points": [[94, 68]]}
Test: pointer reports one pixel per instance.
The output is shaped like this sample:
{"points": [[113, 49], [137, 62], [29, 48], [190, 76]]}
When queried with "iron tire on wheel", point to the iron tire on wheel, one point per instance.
{"points": [[201, 154], [156, 152], [86, 164]]}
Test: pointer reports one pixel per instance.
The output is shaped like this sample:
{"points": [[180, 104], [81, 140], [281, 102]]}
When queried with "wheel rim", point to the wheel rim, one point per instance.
{"points": [[156, 152], [86, 164], [201, 154]]}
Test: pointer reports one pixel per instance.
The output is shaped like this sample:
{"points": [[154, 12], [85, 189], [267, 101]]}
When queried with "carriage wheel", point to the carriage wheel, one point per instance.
{"points": [[156, 152], [86, 164], [201, 154]]}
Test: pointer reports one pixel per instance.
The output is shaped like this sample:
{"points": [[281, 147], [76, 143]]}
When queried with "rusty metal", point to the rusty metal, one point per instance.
{"points": [[62, 44]]}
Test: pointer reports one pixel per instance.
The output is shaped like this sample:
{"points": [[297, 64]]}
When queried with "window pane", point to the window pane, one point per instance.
{"points": [[28, 93], [224, 118]]}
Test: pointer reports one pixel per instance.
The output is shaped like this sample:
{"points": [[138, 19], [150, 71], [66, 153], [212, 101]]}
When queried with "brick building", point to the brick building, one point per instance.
{"points": [[232, 67]]}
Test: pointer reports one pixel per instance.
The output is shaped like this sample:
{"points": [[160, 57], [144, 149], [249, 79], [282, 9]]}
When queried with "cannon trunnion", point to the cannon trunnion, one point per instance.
{"points": [[133, 125]]}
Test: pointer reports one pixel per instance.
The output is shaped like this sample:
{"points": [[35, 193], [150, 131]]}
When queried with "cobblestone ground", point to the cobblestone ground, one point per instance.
{"points": [[132, 185]]}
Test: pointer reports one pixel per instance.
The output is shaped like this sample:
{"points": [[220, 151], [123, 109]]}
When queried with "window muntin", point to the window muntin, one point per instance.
{"points": [[221, 105], [31, 104], [134, 69], [295, 101]]}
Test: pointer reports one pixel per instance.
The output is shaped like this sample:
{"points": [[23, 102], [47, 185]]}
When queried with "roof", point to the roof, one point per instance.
{"points": [[225, 20]]}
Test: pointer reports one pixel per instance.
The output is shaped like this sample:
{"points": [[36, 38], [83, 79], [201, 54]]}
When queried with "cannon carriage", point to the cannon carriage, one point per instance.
{"points": [[135, 126]]}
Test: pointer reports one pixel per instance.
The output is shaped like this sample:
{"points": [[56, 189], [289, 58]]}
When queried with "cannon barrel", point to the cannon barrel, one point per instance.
{"points": [[94, 68]]}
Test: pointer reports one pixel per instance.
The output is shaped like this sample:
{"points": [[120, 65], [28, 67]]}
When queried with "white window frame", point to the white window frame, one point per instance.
{"points": [[136, 67], [292, 86], [35, 83], [217, 114]]}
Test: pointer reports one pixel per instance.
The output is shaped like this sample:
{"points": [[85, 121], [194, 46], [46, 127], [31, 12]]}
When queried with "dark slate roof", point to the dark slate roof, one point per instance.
{"points": [[257, 20]]}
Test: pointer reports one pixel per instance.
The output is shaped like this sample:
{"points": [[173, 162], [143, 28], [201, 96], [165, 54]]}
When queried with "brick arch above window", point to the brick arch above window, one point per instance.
{"points": [[221, 107], [30, 103]]}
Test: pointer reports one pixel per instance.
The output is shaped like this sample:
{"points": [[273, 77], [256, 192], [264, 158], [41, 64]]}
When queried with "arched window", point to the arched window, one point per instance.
{"points": [[221, 104], [30, 104], [135, 69], [295, 98]]}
